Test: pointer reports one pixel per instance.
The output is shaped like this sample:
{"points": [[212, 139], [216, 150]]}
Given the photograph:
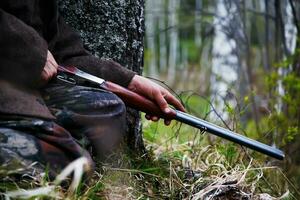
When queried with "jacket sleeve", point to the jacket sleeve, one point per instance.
{"points": [[23, 51], [68, 50]]}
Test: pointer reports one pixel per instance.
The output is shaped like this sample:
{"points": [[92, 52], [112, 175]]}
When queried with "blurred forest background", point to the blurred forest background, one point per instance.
{"points": [[235, 63]]}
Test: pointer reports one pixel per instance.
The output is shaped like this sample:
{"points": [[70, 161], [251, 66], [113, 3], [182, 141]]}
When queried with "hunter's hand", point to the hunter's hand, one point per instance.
{"points": [[50, 69], [155, 93]]}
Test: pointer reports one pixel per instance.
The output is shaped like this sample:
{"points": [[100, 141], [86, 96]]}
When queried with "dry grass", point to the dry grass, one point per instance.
{"points": [[172, 170], [205, 176]]}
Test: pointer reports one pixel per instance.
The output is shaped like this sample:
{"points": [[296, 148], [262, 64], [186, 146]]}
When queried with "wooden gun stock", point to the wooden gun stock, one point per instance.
{"points": [[137, 101]]}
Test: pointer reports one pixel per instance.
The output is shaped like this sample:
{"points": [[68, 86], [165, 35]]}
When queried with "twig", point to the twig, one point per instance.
{"points": [[132, 171]]}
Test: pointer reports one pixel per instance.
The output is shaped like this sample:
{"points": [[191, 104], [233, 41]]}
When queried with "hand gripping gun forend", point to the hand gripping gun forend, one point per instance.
{"points": [[143, 104]]}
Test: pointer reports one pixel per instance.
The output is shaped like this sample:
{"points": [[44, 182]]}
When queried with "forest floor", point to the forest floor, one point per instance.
{"points": [[176, 167]]}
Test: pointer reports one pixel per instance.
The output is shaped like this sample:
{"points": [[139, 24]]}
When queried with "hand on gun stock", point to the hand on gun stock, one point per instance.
{"points": [[49, 70], [157, 94]]}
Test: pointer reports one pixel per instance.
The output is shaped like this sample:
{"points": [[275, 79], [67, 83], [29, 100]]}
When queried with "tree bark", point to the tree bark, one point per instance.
{"points": [[112, 30]]}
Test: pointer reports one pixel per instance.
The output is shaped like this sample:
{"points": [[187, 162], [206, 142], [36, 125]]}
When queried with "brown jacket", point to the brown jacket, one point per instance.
{"points": [[28, 28]]}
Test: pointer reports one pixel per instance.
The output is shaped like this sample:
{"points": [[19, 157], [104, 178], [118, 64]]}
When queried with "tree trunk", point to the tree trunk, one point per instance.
{"points": [[172, 22], [114, 30]]}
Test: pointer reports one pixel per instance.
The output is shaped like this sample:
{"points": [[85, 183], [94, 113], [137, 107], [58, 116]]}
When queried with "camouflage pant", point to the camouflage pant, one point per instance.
{"points": [[86, 117]]}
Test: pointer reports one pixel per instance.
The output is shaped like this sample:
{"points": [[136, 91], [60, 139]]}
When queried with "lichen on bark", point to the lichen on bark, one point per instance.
{"points": [[112, 30]]}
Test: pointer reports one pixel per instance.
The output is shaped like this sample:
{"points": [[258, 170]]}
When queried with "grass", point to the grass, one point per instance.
{"points": [[182, 163], [177, 168]]}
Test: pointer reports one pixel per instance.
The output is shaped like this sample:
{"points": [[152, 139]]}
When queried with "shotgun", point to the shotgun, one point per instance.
{"points": [[134, 100]]}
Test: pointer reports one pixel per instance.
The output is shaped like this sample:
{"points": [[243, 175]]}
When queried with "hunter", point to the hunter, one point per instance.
{"points": [[41, 120]]}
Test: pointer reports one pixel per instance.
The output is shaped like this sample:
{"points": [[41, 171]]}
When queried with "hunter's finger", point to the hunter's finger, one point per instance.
{"points": [[46, 73], [161, 102], [154, 118], [151, 117], [44, 76], [175, 102], [148, 117], [167, 122], [52, 71]]}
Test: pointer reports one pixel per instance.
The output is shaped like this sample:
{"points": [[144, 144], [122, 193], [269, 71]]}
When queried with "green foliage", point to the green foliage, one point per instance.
{"points": [[196, 104], [272, 79], [292, 133], [193, 51], [284, 88], [92, 192], [266, 128], [230, 152], [286, 120]]}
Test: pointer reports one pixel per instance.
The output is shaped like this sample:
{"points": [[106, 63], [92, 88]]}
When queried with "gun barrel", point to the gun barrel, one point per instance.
{"points": [[229, 135]]}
